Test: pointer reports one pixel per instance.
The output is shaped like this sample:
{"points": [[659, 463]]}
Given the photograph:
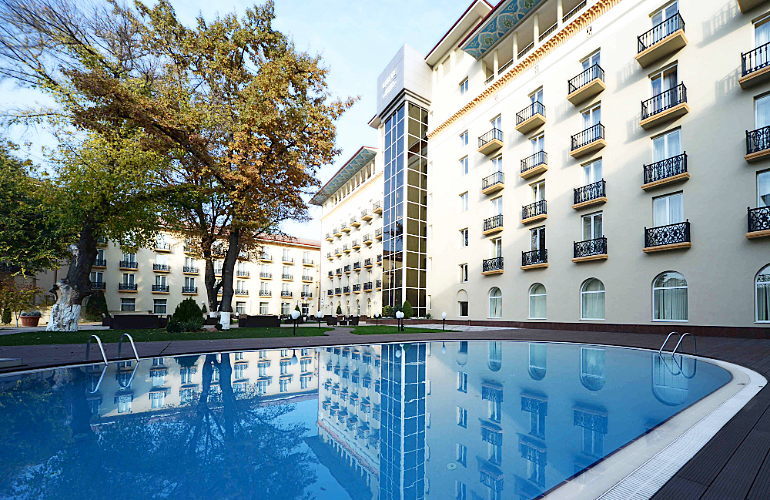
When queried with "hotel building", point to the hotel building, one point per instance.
{"points": [[578, 162]]}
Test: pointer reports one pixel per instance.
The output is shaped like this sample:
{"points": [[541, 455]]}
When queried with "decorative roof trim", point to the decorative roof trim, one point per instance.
{"points": [[459, 19], [496, 24], [359, 159], [580, 22]]}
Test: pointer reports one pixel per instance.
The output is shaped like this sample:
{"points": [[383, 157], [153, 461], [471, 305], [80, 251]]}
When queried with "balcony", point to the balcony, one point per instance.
{"points": [[329, 256], [217, 271], [161, 268], [379, 260], [357, 266], [757, 144], [366, 215], [586, 85], [368, 263], [747, 5], [162, 246], [241, 273], [357, 288], [329, 293], [491, 141], [493, 225], [128, 264], [534, 259], [265, 293], [666, 171], [368, 286], [504, 67], [348, 269], [189, 270], [189, 290], [337, 232], [368, 239], [378, 234], [354, 222], [356, 244], [285, 294], [307, 262], [100, 263], [346, 290], [490, 79], [266, 276], [534, 212], [588, 250], [307, 279], [759, 223], [377, 207], [338, 291], [530, 118], [101, 241], [264, 257], [98, 285], [306, 295], [287, 277], [663, 39], [492, 266], [592, 194], [534, 165], [331, 275], [378, 284], [346, 248], [755, 67], [664, 107], [492, 183], [188, 248], [346, 228], [339, 271], [126, 287], [159, 288], [289, 261], [241, 293], [329, 237], [670, 237], [588, 141]]}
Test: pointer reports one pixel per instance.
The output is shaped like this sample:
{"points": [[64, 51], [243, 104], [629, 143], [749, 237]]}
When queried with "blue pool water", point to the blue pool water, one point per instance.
{"points": [[454, 420]]}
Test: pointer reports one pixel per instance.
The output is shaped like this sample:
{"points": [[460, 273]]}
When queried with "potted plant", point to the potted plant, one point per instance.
{"points": [[30, 318]]}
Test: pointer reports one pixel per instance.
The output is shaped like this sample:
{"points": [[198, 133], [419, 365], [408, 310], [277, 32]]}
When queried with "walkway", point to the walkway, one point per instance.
{"points": [[735, 464]]}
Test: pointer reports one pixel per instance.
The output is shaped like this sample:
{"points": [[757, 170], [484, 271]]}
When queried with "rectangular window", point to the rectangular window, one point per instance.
{"points": [[497, 247], [497, 205], [461, 491], [284, 385], [189, 282], [464, 237], [263, 309], [464, 202], [592, 172], [240, 307], [239, 371], [762, 111], [462, 455], [537, 143], [463, 308], [462, 417], [497, 122], [285, 308], [763, 189], [666, 146], [97, 277], [159, 306], [663, 14], [464, 165], [462, 381], [536, 96], [464, 138], [668, 209], [464, 86], [537, 238], [497, 163], [160, 280], [538, 191], [593, 59], [592, 226], [127, 304], [592, 116], [129, 279], [662, 83], [463, 273]]}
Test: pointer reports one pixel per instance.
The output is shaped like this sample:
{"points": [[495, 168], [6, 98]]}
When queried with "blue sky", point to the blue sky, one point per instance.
{"points": [[356, 40]]}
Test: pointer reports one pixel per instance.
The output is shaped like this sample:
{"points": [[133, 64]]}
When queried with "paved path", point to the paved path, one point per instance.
{"points": [[735, 464]]}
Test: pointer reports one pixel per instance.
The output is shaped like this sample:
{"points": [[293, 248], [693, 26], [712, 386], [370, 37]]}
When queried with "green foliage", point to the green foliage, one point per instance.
{"points": [[96, 306], [339, 310], [174, 327], [31, 314], [296, 308], [408, 311], [387, 312], [203, 309], [6, 320], [428, 316], [187, 310]]}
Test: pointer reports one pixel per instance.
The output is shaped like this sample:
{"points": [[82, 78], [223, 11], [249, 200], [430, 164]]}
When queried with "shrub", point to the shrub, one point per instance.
{"points": [[218, 326], [96, 306], [174, 326], [193, 325], [6, 316], [32, 314], [428, 316], [387, 311], [408, 311], [339, 310], [203, 309], [187, 310]]}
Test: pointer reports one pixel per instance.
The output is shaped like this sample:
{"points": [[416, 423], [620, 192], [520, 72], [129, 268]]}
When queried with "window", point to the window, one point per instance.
{"points": [[189, 282], [497, 247], [592, 299], [536, 96], [127, 304], [286, 256], [537, 238], [161, 260], [762, 292], [284, 367], [495, 303], [464, 86], [464, 237], [591, 117], [239, 371], [497, 163], [159, 306], [96, 277], [463, 273], [592, 172], [283, 385], [763, 189], [129, 258], [668, 209], [464, 202], [669, 297], [160, 280], [263, 309], [461, 491], [497, 205], [538, 191], [464, 138], [240, 307], [660, 16], [592, 226], [662, 82], [129, 279], [497, 122], [537, 305], [124, 403], [762, 111], [538, 358], [304, 382], [464, 165], [462, 381], [666, 146], [591, 60], [462, 417], [462, 455], [285, 308]]}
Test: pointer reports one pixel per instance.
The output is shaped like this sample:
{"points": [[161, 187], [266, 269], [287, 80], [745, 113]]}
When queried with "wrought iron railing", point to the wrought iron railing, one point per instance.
{"points": [[376, 206], [339, 271], [265, 293], [757, 140], [285, 293], [663, 101], [189, 289], [534, 257], [287, 276], [493, 222], [306, 277], [667, 235], [306, 295], [537, 159], [590, 192], [596, 246], [493, 135], [525, 50], [348, 268], [162, 246], [368, 262], [266, 275], [330, 292], [98, 285], [368, 286], [191, 270], [493, 264], [759, 219], [127, 286], [534, 209], [587, 76], [357, 287], [378, 232], [100, 262], [345, 248], [378, 283], [504, 67], [587, 136], [367, 238], [660, 31], [357, 266], [128, 264], [536, 108], [242, 273], [345, 289], [160, 288], [331, 274], [573, 11], [665, 168], [491, 180], [160, 267]]}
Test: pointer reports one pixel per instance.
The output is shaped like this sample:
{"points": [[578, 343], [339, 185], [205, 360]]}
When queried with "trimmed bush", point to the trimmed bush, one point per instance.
{"points": [[339, 310], [187, 311], [408, 311], [174, 326], [387, 311], [6, 316]]}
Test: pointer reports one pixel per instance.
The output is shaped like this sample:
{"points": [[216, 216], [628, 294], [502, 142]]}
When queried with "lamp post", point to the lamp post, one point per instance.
{"points": [[294, 316], [294, 359], [443, 319], [319, 315], [443, 348], [400, 318]]}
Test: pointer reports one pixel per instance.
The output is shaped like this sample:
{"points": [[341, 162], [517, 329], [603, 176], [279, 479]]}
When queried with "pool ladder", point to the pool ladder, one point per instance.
{"points": [[104, 357], [681, 338]]}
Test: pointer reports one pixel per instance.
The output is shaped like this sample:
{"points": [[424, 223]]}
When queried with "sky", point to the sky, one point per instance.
{"points": [[356, 41]]}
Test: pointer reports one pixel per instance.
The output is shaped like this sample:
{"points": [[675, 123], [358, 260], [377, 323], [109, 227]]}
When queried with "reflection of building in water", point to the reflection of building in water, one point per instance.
{"points": [[349, 415], [168, 382]]}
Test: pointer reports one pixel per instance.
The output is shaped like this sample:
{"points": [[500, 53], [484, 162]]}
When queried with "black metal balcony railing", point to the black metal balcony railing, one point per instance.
{"points": [[379, 259], [287, 276], [285, 293], [345, 289], [597, 246], [367, 262], [328, 255], [187, 269], [534, 209], [536, 108], [126, 286], [241, 291], [265, 256], [356, 243], [665, 168], [368, 286], [587, 76], [535, 160], [189, 289], [378, 232], [505, 66], [534, 257], [162, 245], [489, 80], [492, 135], [525, 50], [265, 293], [266, 275], [378, 283], [309, 262], [587, 136], [590, 192], [357, 266], [288, 260], [376, 205], [100, 262], [347, 268], [493, 264], [756, 59], [242, 273], [330, 292], [667, 235], [129, 264], [757, 140], [101, 241], [338, 291], [759, 219], [659, 32], [160, 288], [160, 267], [357, 287], [493, 222], [306, 295], [217, 271], [663, 101], [98, 285], [491, 180], [331, 274], [345, 248], [305, 277]]}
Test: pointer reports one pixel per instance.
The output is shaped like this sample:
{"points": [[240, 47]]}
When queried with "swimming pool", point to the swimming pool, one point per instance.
{"points": [[460, 420]]}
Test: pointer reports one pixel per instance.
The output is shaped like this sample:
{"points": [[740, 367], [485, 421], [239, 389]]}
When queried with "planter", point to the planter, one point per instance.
{"points": [[29, 320]]}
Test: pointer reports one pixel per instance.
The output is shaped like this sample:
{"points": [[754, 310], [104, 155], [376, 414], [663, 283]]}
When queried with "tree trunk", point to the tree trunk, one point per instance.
{"points": [[228, 273], [210, 280]]}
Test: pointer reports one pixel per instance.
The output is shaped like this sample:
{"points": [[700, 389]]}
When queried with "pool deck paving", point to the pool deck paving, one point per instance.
{"points": [[734, 464]]}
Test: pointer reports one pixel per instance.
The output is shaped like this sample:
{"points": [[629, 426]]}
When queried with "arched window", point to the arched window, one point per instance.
{"points": [[762, 292], [462, 353], [537, 301], [669, 297], [495, 303], [537, 361], [592, 368], [495, 356], [592, 299]]}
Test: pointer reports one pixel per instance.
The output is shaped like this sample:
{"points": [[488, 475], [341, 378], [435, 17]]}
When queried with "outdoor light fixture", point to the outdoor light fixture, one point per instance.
{"points": [[294, 317], [320, 316], [400, 318], [398, 350], [294, 359], [443, 348], [443, 325]]}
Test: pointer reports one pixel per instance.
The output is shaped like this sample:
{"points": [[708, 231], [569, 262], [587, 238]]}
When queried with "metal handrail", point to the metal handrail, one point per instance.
{"points": [[131, 379], [99, 383], [133, 346], [694, 344], [101, 348], [660, 351]]}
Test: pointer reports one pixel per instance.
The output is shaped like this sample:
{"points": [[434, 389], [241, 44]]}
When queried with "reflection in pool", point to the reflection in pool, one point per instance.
{"points": [[460, 420]]}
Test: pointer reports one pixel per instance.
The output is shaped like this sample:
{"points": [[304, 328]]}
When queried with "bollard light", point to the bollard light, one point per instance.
{"points": [[443, 319], [294, 317], [320, 316]]}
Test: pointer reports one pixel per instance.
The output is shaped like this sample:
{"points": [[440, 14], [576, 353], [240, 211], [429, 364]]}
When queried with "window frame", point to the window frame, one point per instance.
{"points": [[530, 295], [756, 290], [583, 291], [686, 287]]}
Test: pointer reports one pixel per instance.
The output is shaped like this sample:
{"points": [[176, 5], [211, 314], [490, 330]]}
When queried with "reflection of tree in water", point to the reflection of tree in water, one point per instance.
{"points": [[222, 445]]}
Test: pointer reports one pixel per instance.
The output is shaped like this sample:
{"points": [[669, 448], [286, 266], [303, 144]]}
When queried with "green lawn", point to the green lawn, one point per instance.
{"points": [[386, 329], [108, 336]]}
